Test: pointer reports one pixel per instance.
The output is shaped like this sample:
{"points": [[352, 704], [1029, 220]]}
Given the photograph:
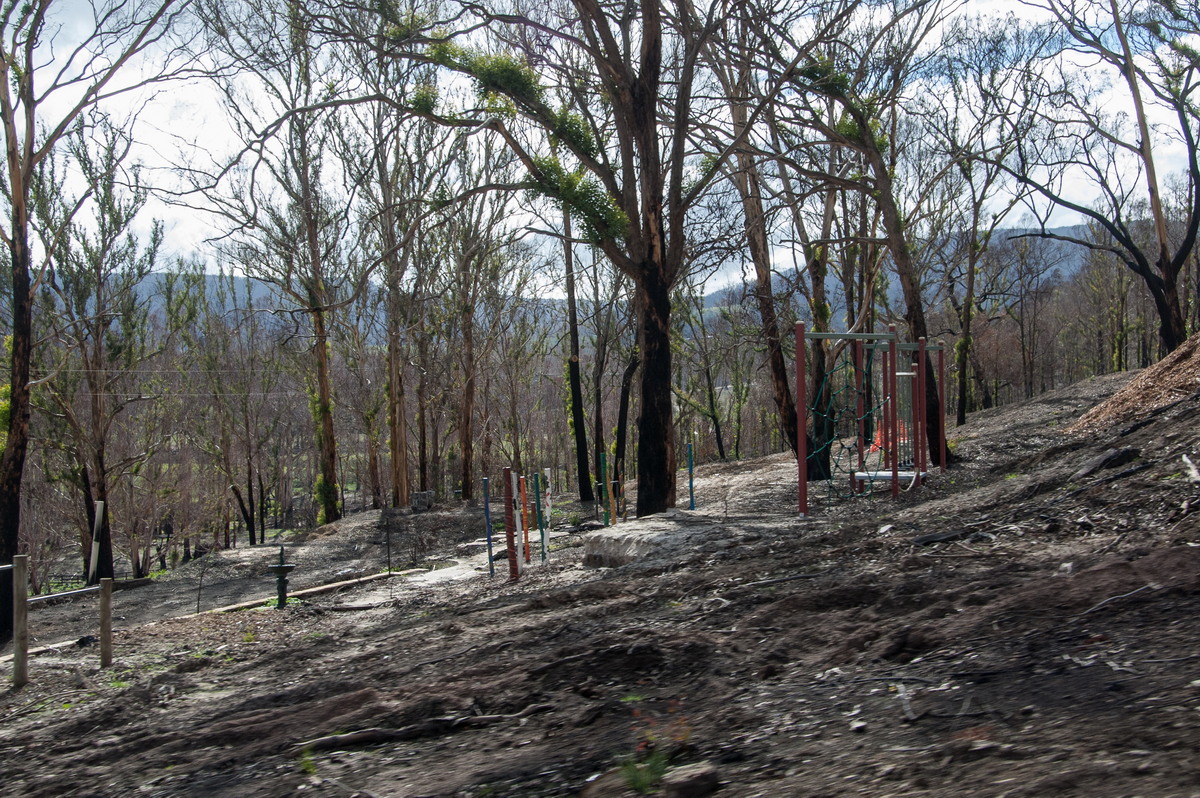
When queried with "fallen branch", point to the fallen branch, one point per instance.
{"points": [[549, 666], [1128, 472], [1172, 659], [358, 607], [776, 581], [942, 537], [897, 679], [350, 790], [1114, 598], [426, 728], [1112, 543]]}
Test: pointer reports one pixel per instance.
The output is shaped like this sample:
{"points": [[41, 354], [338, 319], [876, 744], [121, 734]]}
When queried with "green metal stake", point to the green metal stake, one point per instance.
{"points": [[537, 505], [691, 481], [487, 518]]}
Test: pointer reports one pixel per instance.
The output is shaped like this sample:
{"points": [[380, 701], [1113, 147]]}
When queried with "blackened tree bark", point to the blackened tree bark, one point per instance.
{"points": [[622, 432], [574, 378]]}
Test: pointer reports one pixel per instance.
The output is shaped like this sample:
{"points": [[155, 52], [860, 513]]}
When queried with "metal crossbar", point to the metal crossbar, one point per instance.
{"points": [[64, 594]]}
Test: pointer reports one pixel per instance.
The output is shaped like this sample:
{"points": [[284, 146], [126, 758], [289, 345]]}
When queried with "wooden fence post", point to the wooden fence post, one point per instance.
{"points": [[106, 588], [20, 620]]}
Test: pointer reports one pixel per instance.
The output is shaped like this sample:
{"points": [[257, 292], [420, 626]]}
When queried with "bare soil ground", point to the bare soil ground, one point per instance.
{"points": [[1026, 624]]}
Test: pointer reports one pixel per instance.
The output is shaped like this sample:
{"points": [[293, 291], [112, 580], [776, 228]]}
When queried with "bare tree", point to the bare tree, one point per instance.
{"points": [[287, 200], [1145, 49], [977, 121], [48, 79], [98, 306], [407, 162]]}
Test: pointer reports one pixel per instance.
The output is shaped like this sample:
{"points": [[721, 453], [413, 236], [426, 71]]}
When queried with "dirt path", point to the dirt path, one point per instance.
{"points": [[1050, 645]]}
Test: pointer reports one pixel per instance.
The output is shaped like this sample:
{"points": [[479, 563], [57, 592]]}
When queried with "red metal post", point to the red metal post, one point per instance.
{"points": [[801, 419], [893, 412], [525, 520], [860, 408], [921, 448], [942, 402]]}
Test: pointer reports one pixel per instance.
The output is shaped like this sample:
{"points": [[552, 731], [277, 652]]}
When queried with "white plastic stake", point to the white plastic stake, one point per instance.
{"points": [[516, 489]]}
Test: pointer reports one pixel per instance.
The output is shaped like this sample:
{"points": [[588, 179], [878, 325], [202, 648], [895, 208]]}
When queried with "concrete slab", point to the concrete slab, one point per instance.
{"points": [[675, 535]]}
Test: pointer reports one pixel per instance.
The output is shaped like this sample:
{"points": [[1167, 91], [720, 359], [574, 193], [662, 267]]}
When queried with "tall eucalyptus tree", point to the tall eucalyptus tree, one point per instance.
{"points": [[286, 199], [621, 91], [1142, 51]]}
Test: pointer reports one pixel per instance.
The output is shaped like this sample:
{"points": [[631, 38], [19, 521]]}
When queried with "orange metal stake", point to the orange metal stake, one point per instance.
{"points": [[525, 519]]}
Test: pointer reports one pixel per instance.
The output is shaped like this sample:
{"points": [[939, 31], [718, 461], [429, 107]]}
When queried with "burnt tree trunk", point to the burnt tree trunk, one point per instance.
{"points": [[623, 418], [656, 429], [906, 270], [574, 379], [466, 443], [749, 185], [327, 492]]}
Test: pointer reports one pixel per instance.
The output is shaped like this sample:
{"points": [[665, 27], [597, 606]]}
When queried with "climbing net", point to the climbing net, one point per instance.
{"points": [[864, 420]]}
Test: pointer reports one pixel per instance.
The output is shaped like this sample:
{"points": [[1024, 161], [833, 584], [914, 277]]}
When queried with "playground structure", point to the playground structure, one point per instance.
{"points": [[867, 412]]}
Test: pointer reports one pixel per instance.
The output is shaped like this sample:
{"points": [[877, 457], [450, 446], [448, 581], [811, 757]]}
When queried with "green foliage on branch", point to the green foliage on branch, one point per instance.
{"points": [[5, 397], [573, 130], [821, 76], [424, 98], [400, 26], [501, 73], [326, 495], [849, 128], [584, 198], [495, 74], [447, 54]]}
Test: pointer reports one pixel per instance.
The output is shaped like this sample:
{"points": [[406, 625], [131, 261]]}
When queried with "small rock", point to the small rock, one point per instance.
{"points": [[1110, 458], [858, 726], [691, 781], [192, 664], [605, 785]]}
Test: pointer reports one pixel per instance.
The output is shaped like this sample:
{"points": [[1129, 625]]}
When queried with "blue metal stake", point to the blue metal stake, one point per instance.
{"points": [[691, 482], [487, 516]]}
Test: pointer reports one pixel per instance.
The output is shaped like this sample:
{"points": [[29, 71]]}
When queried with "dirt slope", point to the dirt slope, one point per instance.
{"points": [[1172, 379], [1048, 645]]}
